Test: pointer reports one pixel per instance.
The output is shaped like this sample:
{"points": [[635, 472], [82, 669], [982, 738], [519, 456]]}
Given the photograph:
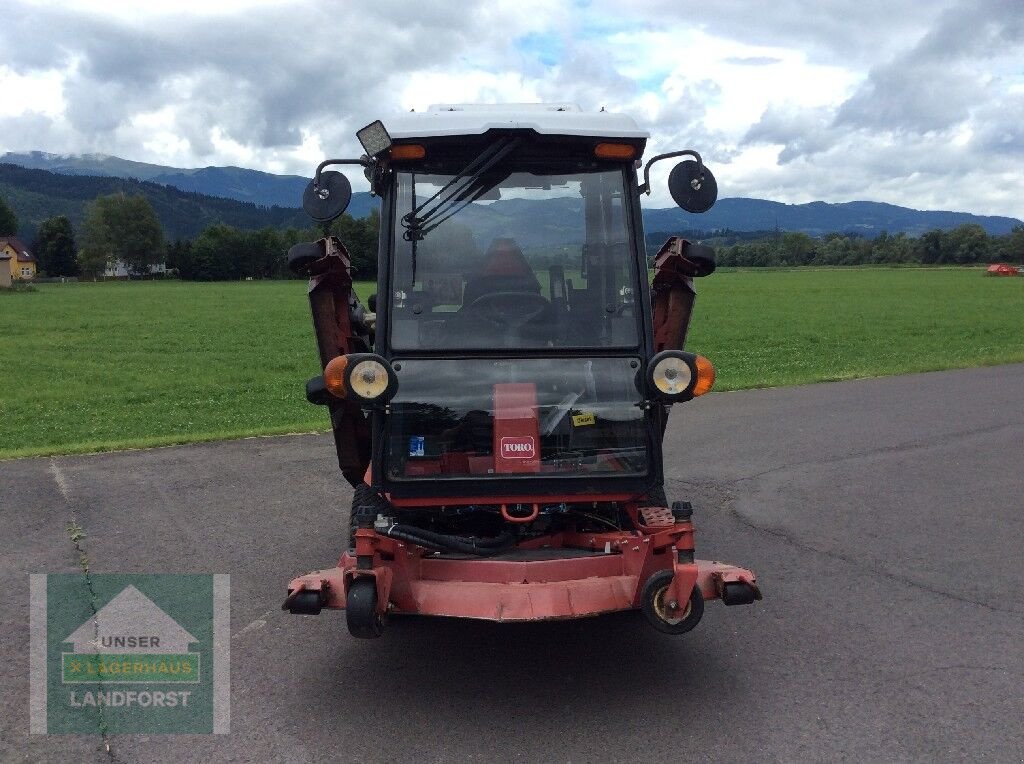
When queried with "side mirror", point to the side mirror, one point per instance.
{"points": [[372, 302], [327, 200], [692, 186]]}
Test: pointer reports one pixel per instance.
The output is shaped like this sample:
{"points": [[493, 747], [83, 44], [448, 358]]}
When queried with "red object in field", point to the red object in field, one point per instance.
{"points": [[1002, 269], [516, 432]]}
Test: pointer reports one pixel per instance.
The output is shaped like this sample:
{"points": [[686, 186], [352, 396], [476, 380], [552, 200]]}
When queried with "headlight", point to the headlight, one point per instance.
{"points": [[368, 379], [674, 375], [362, 377]]}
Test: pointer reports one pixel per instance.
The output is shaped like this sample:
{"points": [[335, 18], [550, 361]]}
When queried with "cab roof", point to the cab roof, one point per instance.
{"points": [[544, 118]]}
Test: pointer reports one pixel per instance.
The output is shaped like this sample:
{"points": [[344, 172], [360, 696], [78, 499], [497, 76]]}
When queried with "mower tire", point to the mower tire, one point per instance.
{"points": [[364, 622], [306, 603], [656, 610]]}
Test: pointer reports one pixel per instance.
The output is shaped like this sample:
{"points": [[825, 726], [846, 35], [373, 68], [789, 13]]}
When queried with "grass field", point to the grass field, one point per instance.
{"points": [[87, 367]]}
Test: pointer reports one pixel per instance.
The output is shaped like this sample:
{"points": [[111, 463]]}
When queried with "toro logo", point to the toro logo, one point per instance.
{"points": [[518, 448]]}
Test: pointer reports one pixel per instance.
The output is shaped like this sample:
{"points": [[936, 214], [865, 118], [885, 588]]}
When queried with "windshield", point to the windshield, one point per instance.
{"points": [[519, 260], [502, 418]]}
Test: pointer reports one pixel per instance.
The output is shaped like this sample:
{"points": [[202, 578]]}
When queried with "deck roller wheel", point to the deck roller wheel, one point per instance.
{"points": [[364, 622], [306, 602], [659, 613]]}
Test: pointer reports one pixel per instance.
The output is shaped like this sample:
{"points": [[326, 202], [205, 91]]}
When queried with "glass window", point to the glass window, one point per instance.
{"points": [[517, 260], [484, 418]]}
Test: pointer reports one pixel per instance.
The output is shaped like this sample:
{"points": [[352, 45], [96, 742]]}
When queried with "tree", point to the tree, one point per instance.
{"points": [[121, 228], [969, 243], [8, 220], [54, 247], [359, 235]]}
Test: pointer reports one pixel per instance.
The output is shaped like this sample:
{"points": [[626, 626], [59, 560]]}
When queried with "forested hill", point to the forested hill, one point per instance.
{"points": [[867, 219], [36, 195]]}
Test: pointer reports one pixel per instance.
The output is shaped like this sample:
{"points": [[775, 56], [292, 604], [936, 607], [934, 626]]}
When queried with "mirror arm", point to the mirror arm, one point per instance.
{"points": [[646, 187], [364, 161]]}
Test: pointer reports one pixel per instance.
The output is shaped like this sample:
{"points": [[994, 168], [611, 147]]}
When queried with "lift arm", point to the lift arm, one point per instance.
{"points": [[339, 324], [677, 263]]}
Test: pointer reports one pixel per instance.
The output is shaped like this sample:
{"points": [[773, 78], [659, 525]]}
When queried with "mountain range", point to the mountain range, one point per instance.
{"points": [[187, 200]]}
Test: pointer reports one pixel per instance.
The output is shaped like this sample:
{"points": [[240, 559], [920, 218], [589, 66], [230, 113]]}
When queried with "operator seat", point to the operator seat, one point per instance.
{"points": [[502, 304], [505, 270]]}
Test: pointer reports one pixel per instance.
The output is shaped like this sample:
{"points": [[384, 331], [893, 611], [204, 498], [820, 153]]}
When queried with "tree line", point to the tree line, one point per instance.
{"points": [[968, 244], [125, 229]]}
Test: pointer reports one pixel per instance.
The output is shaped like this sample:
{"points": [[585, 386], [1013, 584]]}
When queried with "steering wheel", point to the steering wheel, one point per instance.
{"points": [[507, 310]]}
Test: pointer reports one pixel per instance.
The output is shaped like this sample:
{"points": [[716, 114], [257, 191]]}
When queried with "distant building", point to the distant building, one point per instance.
{"points": [[20, 263], [118, 270]]}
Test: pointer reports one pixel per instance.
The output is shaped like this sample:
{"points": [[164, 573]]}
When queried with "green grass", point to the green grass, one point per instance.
{"points": [[88, 367]]}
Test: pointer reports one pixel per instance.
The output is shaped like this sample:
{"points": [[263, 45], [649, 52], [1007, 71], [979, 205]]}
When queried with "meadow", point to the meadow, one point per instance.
{"points": [[91, 367]]}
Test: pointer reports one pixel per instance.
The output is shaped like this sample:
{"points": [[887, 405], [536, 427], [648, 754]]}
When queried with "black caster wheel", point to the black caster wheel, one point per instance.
{"points": [[657, 611], [738, 593], [364, 622], [306, 603]]}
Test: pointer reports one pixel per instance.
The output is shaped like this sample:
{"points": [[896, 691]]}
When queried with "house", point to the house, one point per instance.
{"points": [[117, 269], [1001, 269], [21, 263]]}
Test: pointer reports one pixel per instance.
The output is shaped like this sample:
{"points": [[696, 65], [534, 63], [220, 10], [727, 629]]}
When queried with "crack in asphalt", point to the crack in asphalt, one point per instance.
{"points": [[729, 500], [76, 534]]}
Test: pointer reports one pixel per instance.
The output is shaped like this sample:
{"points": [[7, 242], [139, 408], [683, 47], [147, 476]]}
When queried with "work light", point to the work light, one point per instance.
{"points": [[374, 138], [675, 375]]}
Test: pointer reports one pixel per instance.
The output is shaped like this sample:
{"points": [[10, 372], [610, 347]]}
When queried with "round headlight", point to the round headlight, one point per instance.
{"points": [[369, 379], [361, 377], [672, 376], [675, 375]]}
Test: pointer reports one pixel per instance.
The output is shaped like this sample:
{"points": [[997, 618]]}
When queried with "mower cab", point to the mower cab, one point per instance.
{"points": [[501, 413]]}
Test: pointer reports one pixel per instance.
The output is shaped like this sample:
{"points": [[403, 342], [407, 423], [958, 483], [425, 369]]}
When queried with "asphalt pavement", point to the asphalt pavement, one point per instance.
{"points": [[884, 517]]}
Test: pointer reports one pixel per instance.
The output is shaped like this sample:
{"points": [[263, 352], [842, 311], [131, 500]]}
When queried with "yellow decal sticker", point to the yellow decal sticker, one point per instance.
{"points": [[583, 419]]}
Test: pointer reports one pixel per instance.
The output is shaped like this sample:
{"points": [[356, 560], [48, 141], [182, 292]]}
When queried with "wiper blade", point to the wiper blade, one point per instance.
{"points": [[454, 195]]}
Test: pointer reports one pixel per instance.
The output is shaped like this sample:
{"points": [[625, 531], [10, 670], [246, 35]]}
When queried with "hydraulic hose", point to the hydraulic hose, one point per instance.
{"points": [[444, 543]]}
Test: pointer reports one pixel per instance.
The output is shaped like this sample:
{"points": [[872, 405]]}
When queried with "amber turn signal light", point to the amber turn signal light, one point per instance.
{"points": [[614, 151], [408, 151], [334, 376]]}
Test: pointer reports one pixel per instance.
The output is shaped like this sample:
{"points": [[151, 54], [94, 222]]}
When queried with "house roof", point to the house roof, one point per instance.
{"points": [[24, 256]]}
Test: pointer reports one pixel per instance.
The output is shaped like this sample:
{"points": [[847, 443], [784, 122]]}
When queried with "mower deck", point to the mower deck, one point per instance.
{"points": [[534, 582]]}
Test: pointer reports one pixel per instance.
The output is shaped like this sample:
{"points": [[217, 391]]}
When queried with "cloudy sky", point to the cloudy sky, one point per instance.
{"points": [[910, 102]]}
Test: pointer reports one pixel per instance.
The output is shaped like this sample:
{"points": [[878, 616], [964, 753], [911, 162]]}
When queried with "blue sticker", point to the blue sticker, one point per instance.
{"points": [[417, 446]]}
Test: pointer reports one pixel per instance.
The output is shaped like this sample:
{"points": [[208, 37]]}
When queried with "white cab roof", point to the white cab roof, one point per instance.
{"points": [[544, 118]]}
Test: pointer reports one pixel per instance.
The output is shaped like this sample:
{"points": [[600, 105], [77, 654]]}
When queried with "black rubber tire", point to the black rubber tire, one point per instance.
{"points": [[364, 499], [303, 255], [364, 622], [306, 603], [653, 606], [738, 593]]}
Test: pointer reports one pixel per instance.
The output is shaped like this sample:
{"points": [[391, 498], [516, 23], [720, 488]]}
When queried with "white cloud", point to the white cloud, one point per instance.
{"points": [[888, 100]]}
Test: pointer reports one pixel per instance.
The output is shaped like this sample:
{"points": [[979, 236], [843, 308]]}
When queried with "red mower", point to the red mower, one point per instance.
{"points": [[500, 414]]}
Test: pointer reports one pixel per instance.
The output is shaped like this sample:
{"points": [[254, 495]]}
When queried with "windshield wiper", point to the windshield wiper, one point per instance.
{"points": [[456, 194]]}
